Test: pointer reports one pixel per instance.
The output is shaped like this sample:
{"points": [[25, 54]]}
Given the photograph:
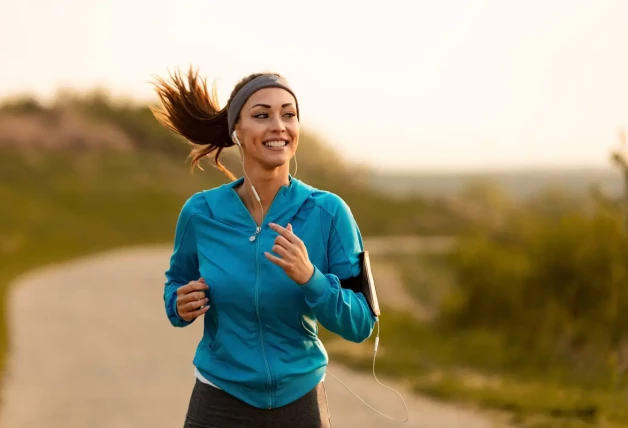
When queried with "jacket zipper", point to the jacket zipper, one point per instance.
{"points": [[256, 238], [259, 320]]}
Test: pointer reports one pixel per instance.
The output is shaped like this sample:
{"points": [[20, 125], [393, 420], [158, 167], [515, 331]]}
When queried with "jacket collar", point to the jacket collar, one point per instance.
{"points": [[226, 206]]}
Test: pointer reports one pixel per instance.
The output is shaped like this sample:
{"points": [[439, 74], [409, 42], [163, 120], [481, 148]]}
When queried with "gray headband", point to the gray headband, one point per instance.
{"points": [[261, 82]]}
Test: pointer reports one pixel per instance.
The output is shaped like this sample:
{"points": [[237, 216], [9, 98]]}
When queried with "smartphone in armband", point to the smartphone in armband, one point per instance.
{"points": [[364, 283]]}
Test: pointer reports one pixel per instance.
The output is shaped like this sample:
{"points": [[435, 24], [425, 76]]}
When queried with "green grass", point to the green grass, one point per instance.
{"points": [[429, 275], [480, 367], [58, 207], [464, 368]]}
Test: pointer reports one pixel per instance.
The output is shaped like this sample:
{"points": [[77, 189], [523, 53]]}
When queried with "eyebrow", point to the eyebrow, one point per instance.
{"points": [[268, 106]]}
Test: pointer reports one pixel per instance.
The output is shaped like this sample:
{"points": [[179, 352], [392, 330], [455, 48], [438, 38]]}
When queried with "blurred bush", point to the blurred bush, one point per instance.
{"points": [[551, 275]]}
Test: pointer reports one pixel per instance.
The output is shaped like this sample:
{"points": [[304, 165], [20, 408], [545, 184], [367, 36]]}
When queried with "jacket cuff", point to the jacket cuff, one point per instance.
{"points": [[317, 288]]}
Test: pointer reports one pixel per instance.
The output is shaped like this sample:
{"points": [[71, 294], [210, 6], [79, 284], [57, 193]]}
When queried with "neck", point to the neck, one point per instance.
{"points": [[267, 183]]}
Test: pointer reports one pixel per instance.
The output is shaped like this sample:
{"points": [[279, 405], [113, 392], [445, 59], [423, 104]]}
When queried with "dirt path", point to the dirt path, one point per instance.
{"points": [[92, 347]]}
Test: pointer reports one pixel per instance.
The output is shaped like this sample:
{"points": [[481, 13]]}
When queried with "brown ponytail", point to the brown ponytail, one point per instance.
{"points": [[195, 115]]}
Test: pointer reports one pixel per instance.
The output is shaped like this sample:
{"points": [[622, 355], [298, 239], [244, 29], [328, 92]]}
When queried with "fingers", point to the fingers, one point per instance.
{"points": [[192, 286], [191, 300], [190, 315], [286, 233], [199, 312], [281, 251], [286, 246], [194, 305], [283, 242], [191, 297], [188, 310], [276, 260]]}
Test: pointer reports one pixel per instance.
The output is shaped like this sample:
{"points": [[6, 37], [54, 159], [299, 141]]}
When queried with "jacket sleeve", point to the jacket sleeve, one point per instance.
{"points": [[340, 310], [183, 262]]}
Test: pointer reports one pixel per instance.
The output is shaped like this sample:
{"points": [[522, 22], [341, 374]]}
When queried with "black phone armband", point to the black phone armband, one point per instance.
{"points": [[364, 283]]}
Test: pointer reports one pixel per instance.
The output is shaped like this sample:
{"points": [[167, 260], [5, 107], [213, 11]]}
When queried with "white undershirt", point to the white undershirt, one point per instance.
{"points": [[200, 377]]}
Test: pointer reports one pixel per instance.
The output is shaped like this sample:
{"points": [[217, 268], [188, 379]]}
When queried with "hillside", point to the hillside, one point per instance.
{"points": [[95, 122], [520, 182], [87, 174], [97, 128]]}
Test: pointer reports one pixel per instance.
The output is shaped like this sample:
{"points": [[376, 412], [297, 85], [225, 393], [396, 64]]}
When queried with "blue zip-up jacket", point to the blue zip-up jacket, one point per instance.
{"points": [[260, 340]]}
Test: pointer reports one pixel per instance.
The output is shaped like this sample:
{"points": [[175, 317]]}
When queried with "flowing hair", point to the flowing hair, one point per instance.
{"points": [[192, 111]]}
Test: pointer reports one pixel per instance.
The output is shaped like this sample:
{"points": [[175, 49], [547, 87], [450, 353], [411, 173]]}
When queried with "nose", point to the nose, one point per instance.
{"points": [[277, 124]]}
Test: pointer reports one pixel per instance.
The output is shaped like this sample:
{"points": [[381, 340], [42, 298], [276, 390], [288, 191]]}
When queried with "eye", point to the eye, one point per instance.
{"points": [[290, 115], [261, 115]]}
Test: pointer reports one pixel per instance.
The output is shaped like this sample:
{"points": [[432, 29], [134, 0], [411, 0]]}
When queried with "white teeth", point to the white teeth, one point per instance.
{"points": [[280, 143]]}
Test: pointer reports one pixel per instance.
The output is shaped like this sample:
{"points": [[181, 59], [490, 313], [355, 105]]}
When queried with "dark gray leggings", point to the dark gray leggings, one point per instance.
{"points": [[213, 408]]}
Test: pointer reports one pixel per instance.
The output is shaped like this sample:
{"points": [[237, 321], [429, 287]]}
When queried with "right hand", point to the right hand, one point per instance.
{"points": [[190, 298]]}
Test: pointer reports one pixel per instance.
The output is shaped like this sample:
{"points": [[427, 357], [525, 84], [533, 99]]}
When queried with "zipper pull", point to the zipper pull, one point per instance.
{"points": [[257, 231]]}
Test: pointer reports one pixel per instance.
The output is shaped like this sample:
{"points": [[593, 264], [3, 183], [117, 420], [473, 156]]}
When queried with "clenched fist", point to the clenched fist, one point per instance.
{"points": [[191, 300]]}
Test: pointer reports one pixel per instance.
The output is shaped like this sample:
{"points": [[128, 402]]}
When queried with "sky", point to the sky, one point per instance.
{"points": [[397, 85]]}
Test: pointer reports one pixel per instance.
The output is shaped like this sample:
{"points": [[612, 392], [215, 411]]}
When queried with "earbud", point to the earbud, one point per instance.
{"points": [[235, 138]]}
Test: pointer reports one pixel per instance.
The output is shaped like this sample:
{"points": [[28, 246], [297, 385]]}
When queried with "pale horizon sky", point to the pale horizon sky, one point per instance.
{"points": [[421, 85]]}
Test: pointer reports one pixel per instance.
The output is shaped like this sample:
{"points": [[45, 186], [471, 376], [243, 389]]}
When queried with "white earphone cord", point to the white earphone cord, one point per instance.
{"points": [[363, 402], [247, 177], [376, 338], [296, 169]]}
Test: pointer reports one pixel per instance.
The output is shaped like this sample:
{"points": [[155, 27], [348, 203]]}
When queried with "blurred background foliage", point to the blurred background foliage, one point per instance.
{"points": [[526, 312]]}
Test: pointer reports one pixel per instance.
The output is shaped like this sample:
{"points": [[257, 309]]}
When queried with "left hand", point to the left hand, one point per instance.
{"points": [[294, 258]]}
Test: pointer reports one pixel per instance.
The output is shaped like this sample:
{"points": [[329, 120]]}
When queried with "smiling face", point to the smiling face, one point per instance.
{"points": [[268, 128]]}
